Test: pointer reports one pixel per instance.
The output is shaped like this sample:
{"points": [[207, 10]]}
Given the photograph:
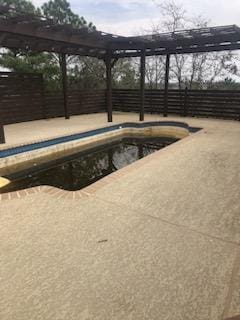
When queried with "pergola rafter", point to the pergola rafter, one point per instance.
{"points": [[39, 34], [181, 42]]}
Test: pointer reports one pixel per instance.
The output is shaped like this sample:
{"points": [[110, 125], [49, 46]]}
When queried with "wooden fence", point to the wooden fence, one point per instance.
{"points": [[196, 103], [22, 98], [79, 102]]}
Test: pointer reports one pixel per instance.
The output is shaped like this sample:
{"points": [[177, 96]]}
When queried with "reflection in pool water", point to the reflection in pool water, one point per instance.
{"points": [[82, 169]]}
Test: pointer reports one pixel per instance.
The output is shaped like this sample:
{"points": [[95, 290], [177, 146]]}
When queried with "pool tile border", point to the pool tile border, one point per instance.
{"points": [[74, 195], [93, 188], [4, 147], [4, 153]]}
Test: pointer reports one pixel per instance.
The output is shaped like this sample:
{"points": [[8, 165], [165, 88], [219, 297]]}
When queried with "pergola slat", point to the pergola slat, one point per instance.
{"points": [[164, 51], [29, 27]]}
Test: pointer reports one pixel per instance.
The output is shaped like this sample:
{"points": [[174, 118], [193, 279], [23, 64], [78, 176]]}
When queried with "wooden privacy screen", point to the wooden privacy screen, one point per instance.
{"points": [[202, 103], [21, 97], [79, 102]]}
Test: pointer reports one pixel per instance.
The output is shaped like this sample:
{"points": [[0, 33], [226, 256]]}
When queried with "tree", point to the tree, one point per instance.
{"points": [[90, 73], [46, 63], [174, 18], [20, 6], [155, 72], [60, 12], [193, 70], [20, 60], [226, 84], [87, 72], [125, 75]]}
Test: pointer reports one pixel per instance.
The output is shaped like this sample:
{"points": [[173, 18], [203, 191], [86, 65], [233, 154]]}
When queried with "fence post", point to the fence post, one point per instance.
{"points": [[64, 85], [44, 110], [151, 100], [2, 136], [185, 111], [108, 63], [142, 84], [165, 108]]}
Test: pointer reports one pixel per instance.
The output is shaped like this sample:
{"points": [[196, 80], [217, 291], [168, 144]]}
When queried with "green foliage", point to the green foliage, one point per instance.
{"points": [[125, 75], [83, 72], [87, 73], [46, 63], [90, 73], [60, 12], [21, 6], [33, 63]]}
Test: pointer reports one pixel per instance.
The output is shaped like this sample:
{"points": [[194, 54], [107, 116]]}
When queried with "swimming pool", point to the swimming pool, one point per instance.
{"points": [[18, 161], [79, 170]]}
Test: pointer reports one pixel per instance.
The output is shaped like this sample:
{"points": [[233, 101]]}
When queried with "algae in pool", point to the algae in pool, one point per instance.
{"points": [[79, 170]]}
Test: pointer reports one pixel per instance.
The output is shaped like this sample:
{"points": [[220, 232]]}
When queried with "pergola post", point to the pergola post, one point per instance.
{"points": [[165, 111], [108, 62], [64, 85], [2, 136], [142, 83]]}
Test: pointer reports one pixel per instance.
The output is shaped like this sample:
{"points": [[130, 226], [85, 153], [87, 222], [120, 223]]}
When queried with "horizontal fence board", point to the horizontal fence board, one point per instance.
{"points": [[79, 102], [202, 103], [22, 98]]}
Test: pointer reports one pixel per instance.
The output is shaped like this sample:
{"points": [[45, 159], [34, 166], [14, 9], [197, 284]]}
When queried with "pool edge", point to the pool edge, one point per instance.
{"points": [[93, 188]]}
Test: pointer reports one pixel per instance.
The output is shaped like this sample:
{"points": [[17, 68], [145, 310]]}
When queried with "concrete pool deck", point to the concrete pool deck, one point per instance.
{"points": [[160, 240]]}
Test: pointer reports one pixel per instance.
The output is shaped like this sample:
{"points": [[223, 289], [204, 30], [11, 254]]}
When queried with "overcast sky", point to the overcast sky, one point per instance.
{"points": [[130, 17]]}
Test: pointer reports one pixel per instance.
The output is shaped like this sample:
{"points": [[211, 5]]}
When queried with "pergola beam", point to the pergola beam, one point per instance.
{"points": [[198, 41], [164, 51], [66, 39], [48, 34], [185, 38], [48, 46]]}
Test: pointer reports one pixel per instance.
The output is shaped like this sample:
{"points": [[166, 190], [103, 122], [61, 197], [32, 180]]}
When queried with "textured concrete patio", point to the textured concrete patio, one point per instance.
{"points": [[160, 242]]}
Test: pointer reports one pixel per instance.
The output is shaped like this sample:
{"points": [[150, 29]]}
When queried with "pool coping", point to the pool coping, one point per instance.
{"points": [[94, 187], [22, 158], [37, 145]]}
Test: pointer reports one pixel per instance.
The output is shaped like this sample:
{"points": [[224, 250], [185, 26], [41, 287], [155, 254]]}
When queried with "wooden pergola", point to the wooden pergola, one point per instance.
{"points": [[38, 34]]}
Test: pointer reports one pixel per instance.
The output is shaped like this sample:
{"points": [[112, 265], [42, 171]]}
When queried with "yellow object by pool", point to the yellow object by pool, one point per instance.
{"points": [[4, 182]]}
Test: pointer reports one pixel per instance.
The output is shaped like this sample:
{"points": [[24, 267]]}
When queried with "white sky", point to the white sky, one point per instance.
{"points": [[130, 17]]}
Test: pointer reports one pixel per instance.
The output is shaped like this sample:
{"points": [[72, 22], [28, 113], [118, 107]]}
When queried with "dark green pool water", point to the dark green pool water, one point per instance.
{"points": [[82, 169]]}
